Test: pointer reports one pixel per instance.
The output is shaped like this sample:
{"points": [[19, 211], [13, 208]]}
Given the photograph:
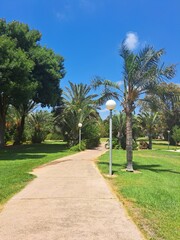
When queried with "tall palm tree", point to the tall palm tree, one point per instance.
{"points": [[141, 73]]}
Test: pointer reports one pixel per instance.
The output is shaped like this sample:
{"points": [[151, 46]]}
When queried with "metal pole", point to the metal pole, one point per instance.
{"points": [[79, 138], [168, 140], [110, 143]]}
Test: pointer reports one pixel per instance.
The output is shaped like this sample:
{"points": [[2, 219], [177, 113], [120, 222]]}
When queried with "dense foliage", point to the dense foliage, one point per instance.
{"points": [[166, 100], [29, 73], [79, 107]]}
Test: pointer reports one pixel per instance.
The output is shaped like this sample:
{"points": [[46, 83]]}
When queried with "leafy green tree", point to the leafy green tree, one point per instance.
{"points": [[141, 73], [15, 69], [91, 134], [48, 70], [40, 82]]}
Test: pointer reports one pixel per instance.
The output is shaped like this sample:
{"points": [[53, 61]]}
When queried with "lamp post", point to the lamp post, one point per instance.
{"points": [[168, 138], [110, 105], [80, 126]]}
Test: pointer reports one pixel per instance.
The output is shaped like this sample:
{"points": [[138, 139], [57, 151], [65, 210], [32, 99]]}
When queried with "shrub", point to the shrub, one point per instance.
{"points": [[115, 143], [93, 142], [54, 136], [176, 134], [38, 137], [77, 148], [123, 144], [135, 145], [91, 133]]}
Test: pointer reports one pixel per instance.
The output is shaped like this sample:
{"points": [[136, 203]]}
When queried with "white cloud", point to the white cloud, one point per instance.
{"points": [[131, 40]]}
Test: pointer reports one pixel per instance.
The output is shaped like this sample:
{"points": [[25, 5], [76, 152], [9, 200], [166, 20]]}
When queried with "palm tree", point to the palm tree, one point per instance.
{"points": [[22, 111], [141, 73], [79, 107], [40, 124], [148, 122]]}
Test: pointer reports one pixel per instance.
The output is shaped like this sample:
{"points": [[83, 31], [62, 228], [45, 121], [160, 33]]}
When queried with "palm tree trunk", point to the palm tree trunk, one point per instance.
{"points": [[150, 141], [2, 132], [129, 152], [19, 131], [3, 109]]}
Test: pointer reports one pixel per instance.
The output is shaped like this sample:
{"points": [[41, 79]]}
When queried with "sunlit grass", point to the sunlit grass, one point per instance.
{"points": [[152, 193]]}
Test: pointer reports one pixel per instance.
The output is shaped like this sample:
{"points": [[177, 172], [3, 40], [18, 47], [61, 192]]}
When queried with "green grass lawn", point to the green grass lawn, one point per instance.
{"points": [[151, 194], [17, 161]]}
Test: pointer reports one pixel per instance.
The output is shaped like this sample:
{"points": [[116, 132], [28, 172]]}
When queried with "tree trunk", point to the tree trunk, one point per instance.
{"points": [[2, 132], [129, 152], [150, 141], [3, 109], [20, 131]]}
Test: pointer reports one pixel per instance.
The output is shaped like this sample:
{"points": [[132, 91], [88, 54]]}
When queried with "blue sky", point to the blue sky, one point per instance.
{"points": [[88, 33]]}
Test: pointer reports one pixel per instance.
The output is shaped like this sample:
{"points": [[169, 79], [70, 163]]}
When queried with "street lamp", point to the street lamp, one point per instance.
{"points": [[110, 105], [168, 138], [80, 126]]}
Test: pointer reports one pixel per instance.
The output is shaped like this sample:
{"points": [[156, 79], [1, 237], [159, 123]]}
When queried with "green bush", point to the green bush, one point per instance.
{"points": [[38, 137], [54, 136], [91, 133], [93, 142], [77, 148], [115, 143], [123, 144], [176, 134], [135, 145]]}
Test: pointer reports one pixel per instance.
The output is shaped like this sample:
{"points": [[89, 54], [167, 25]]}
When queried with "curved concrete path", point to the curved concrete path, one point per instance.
{"points": [[69, 200]]}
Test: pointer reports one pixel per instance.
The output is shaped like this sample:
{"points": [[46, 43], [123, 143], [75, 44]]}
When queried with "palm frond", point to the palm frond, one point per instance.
{"points": [[101, 82]]}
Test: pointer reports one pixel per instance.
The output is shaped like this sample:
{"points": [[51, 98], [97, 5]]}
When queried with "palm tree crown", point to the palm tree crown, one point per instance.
{"points": [[79, 107]]}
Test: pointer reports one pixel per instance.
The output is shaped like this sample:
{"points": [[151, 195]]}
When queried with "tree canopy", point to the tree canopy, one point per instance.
{"points": [[28, 72]]}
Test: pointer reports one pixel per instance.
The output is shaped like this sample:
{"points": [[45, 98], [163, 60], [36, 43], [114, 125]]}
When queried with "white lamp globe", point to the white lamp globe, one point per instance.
{"points": [[79, 125], [110, 104]]}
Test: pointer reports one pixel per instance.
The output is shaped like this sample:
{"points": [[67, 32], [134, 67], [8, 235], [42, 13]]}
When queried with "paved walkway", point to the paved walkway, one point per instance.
{"points": [[69, 200]]}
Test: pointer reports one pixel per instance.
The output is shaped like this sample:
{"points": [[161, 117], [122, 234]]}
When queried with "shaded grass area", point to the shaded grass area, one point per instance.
{"points": [[17, 161], [151, 194]]}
